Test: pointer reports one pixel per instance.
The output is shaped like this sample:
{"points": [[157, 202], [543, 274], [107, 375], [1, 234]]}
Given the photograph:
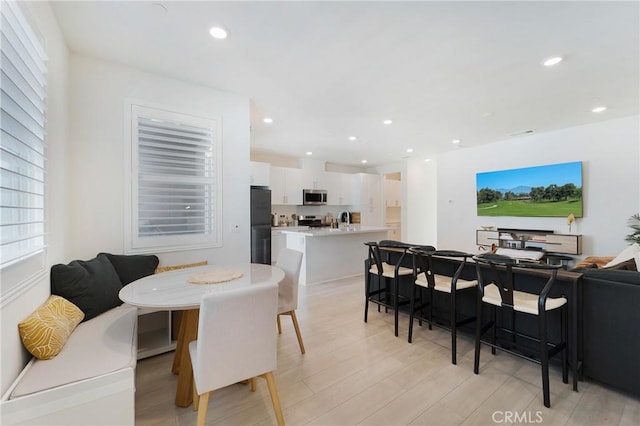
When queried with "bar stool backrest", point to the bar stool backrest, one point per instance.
{"points": [[505, 280]]}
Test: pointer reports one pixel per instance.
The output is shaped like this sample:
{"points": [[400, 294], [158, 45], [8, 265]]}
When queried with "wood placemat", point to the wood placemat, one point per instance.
{"points": [[215, 276]]}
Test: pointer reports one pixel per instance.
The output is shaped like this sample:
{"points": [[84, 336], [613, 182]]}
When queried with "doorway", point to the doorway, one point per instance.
{"points": [[392, 190]]}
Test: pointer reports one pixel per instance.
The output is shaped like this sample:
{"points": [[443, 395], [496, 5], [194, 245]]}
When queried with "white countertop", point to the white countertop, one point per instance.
{"points": [[332, 232]]}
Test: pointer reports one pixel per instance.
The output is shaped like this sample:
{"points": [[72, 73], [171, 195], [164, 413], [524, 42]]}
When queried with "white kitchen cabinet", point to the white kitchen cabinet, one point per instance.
{"points": [[393, 193], [286, 188], [278, 242], [260, 174], [339, 188], [366, 198], [315, 179], [395, 231]]}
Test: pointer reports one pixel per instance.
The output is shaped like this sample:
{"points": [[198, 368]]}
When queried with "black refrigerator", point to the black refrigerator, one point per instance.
{"points": [[260, 225]]}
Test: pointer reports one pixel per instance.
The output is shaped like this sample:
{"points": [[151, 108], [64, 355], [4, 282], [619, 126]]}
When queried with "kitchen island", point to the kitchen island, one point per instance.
{"points": [[330, 253]]}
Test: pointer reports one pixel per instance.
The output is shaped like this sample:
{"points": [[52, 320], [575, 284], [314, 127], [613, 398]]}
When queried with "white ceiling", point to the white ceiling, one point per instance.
{"points": [[327, 70]]}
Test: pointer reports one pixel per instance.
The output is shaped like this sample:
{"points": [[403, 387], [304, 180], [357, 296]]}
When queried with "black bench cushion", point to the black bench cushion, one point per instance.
{"points": [[132, 267], [92, 285]]}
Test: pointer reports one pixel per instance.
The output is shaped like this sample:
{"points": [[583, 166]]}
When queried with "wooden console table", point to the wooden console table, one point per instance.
{"points": [[529, 238]]}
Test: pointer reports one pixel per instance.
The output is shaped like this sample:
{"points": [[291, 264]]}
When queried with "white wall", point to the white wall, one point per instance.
{"points": [[85, 186], [96, 170], [610, 154], [421, 225], [13, 356]]}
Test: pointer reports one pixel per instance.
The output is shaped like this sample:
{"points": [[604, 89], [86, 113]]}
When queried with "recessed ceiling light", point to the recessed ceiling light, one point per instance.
{"points": [[352, 138], [599, 109], [268, 120], [409, 149], [364, 161], [426, 160], [387, 122], [549, 62], [218, 33], [455, 141], [309, 153]]}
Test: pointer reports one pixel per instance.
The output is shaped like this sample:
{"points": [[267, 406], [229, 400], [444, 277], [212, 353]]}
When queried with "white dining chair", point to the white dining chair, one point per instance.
{"points": [[290, 262], [236, 342]]}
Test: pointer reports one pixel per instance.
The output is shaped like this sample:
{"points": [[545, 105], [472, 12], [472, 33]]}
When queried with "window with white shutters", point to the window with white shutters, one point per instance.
{"points": [[175, 181], [22, 141]]}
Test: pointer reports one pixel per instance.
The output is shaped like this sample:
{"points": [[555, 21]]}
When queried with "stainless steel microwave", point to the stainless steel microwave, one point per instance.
{"points": [[314, 197]]}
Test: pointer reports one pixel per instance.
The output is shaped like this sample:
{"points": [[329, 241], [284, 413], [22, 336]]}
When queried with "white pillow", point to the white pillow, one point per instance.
{"points": [[626, 254], [521, 254]]}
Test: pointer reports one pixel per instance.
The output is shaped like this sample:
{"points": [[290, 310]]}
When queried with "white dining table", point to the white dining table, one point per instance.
{"points": [[173, 291]]}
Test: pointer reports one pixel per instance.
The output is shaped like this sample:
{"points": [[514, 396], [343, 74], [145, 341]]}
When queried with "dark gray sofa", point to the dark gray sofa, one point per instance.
{"points": [[611, 327]]}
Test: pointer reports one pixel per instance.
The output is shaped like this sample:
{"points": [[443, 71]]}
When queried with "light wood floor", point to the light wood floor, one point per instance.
{"points": [[359, 373]]}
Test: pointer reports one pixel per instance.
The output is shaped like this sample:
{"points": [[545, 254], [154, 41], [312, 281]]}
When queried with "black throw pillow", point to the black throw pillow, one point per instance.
{"points": [[91, 285], [133, 267]]}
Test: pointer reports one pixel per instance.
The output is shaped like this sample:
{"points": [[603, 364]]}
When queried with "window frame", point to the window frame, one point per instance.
{"points": [[157, 244]]}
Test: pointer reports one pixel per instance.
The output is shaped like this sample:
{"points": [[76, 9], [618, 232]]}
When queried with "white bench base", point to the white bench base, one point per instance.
{"points": [[103, 400], [90, 382]]}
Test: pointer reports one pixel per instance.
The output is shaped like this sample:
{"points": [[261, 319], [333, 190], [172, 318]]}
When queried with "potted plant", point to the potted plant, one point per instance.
{"points": [[634, 224]]}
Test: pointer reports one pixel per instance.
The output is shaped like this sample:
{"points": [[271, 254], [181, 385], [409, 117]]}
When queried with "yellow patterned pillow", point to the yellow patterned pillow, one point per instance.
{"points": [[46, 330], [160, 269]]}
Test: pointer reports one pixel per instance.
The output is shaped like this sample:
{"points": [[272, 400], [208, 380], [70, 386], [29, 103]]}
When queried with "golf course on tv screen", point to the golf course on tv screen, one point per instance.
{"points": [[550, 190]]}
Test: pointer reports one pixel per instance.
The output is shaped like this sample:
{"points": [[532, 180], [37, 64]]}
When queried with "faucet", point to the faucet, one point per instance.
{"points": [[343, 216]]}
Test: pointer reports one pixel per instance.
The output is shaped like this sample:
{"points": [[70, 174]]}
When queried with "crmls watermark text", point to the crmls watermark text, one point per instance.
{"points": [[517, 417]]}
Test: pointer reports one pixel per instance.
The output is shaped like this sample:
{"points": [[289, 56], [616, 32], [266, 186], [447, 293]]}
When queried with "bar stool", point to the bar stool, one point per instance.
{"points": [[500, 293], [427, 279], [385, 261]]}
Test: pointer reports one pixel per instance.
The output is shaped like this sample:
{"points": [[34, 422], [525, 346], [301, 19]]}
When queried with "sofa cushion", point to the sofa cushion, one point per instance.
{"points": [[594, 262], [627, 265], [132, 267], [626, 254], [48, 328], [91, 285], [99, 346]]}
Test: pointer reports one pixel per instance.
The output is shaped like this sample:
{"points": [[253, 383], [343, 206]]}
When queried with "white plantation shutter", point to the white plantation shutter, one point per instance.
{"points": [[22, 142], [176, 165]]}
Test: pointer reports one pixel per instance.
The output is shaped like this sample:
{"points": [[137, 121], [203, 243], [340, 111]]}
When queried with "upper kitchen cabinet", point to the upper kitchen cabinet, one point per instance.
{"points": [[314, 179], [338, 188], [337, 185], [260, 174], [366, 197], [286, 188]]}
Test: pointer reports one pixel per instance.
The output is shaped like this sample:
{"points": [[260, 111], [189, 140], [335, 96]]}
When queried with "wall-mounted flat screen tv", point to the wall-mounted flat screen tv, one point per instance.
{"points": [[550, 190]]}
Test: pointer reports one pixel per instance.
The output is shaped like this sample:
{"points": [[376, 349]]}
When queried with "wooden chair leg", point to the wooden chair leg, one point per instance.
{"points": [[279, 325], [253, 384], [184, 392], [275, 399], [196, 399], [202, 409], [298, 335]]}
